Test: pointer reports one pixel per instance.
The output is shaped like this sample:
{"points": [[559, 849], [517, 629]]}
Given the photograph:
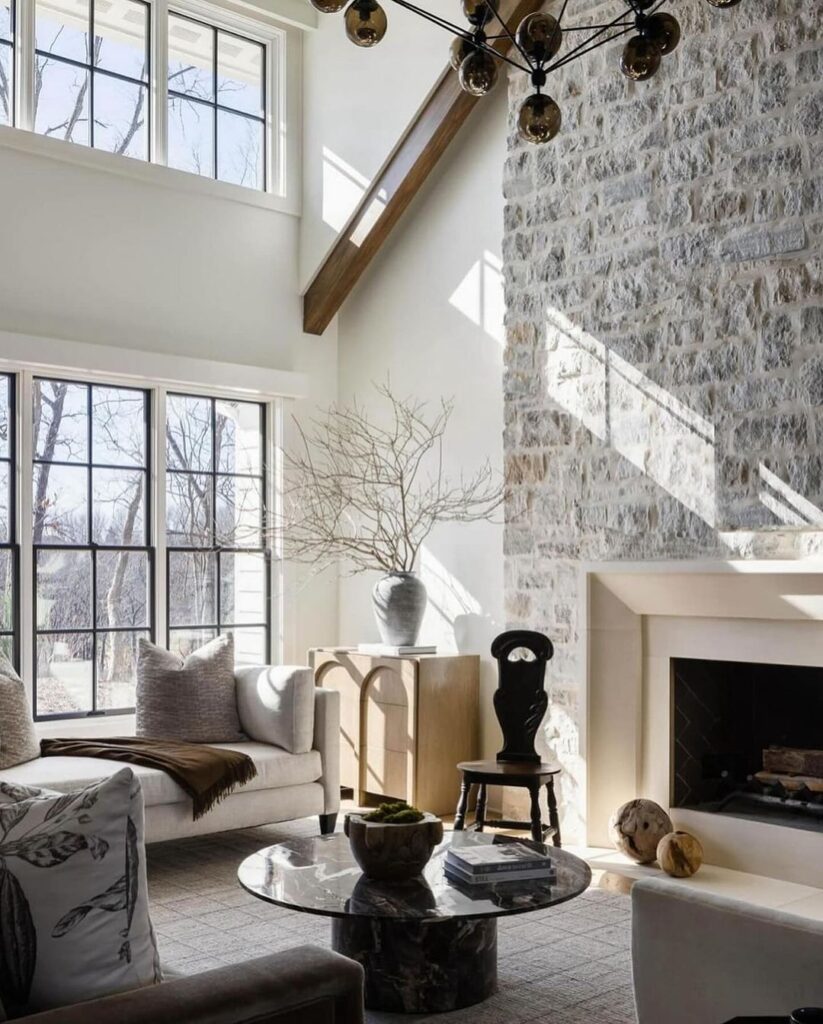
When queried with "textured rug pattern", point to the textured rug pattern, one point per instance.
{"points": [[564, 965]]}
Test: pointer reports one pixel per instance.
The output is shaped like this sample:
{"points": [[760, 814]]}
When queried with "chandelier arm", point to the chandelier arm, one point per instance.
{"points": [[589, 28], [583, 47], [507, 31], [562, 11]]}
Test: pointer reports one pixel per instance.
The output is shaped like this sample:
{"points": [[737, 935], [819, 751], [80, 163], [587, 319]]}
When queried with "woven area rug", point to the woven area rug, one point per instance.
{"points": [[566, 965]]}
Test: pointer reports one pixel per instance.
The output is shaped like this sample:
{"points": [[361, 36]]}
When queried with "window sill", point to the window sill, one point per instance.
{"points": [[71, 728], [139, 170]]}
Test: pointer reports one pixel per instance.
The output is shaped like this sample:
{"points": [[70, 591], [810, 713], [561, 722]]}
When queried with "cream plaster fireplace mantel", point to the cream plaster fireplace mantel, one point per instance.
{"points": [[638, 616]]}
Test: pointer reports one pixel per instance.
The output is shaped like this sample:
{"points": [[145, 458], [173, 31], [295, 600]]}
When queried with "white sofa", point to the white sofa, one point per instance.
{"points": [[290, 783], [702, 958]]}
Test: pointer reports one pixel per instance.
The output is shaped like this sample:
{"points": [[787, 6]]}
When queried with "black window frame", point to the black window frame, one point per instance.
{"points": [[262, 120], [92, 70], [11, 45], [218, 627], [11, 544], [95, 548]]}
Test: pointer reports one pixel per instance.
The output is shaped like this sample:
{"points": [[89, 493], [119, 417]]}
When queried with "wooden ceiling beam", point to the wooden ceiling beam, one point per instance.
{"points": [[396, 184]]}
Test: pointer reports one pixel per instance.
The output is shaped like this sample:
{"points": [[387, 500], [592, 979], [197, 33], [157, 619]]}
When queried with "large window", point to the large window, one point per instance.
{"points": [[91, 544], [6, 61], [86, 77], [218, 566], [91, 73], [217, 103], [8, 550]]}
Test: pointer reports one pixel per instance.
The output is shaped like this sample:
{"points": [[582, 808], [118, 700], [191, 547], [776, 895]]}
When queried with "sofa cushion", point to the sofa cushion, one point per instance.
{"points": [[189, 698], [275, 768], [276, 705], [74, 897], [18, 741]]}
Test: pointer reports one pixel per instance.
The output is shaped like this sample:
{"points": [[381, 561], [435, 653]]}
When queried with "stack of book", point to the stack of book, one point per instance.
{"points": [[497, 863]]}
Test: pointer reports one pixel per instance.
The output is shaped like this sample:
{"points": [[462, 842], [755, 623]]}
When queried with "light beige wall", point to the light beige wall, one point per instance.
{"points": [[429, 314]]}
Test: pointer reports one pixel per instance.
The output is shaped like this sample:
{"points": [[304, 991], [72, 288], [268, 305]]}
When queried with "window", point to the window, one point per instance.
{"points": [[8, 550], [91, 550], [86, 77], [91, 73], [6, 61], [216, 103], [218, 567]]}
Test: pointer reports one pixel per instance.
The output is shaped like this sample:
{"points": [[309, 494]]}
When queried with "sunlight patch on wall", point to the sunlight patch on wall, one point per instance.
{"points": [[343, 188], [646, 424], [786, 504], [449, 601], [480, 298]]}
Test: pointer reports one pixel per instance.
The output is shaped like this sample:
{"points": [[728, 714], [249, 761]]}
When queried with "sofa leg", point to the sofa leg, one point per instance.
{"points": [[327, 824]]}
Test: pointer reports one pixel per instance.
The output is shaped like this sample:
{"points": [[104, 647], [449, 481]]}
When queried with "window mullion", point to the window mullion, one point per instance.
{"points": [[158, 446], [158, 82], [272, 542], [24, 65], [25, 482]]}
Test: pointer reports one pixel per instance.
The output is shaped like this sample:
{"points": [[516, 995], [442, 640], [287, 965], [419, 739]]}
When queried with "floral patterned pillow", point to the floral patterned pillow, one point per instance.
{"points": [[73, 895]]}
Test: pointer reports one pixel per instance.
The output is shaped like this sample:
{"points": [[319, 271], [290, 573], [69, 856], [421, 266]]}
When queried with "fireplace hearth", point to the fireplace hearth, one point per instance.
{"points": [[748, 741]]}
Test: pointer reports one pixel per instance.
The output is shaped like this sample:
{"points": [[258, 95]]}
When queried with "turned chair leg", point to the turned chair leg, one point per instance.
{"points": [[462, 805], [554, 819], [328, 823], [480, 810], [537, 823]]}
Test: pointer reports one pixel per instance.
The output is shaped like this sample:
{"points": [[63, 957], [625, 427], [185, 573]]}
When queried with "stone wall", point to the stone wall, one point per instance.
{"points": [[664, 358]]}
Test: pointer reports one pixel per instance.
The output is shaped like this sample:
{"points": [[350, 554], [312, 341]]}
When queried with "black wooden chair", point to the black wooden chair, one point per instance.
{"points": [[520, 702]]}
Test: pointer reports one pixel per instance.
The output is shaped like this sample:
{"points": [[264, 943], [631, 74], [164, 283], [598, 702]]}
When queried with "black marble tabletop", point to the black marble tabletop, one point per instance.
{"points": [[320, 876]]}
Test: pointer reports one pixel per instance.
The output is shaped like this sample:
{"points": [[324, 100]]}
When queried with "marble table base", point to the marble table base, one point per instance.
{"points": [[421, 966]]}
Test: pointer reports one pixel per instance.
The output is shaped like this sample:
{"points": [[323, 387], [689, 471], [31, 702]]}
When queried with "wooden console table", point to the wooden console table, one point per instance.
{"points": [[405, 723]]}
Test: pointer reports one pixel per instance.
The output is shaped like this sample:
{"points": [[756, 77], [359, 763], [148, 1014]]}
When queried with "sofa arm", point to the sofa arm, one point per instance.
{"points": [[702, 958], [327, 741], [275, 704], [305, 985]]}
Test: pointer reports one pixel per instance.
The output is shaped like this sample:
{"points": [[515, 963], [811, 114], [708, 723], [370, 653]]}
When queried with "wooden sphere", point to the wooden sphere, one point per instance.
{"points": [[680, 854], [637, 827]]}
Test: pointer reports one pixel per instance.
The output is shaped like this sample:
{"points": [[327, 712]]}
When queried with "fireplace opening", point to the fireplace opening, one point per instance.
{"points": [[748, 740]]}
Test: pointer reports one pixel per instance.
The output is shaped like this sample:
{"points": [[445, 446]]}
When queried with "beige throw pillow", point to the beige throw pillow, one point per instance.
{"points": [[74, 896], [18, 742], [191, 699]]}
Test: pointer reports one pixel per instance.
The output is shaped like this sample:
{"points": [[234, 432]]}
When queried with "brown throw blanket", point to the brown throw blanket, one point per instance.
{"points": [[207, 774]]}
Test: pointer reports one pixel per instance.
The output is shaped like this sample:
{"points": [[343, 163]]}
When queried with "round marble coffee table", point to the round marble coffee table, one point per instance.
{"points": [[428, 945]]}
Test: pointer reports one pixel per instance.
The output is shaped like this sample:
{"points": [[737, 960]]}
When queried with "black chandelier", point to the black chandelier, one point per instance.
{"points": [[538, 46]]}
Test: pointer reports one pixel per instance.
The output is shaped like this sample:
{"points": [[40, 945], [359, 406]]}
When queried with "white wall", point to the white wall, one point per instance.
{"points": [[429, 313], [99, 257], [356, 103]]}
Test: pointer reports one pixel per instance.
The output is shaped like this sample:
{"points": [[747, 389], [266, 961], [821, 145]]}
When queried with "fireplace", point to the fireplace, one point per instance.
{"points": [[735, 650], [747, 740]]}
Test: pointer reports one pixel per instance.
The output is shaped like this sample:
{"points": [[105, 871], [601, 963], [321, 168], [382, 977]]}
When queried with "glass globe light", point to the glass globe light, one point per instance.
{"points": [[478, 12], [461, 47], [644, 5], [328, 6], [663, 29], [724, 3], [640, 60], [365, 22], [539, 119], [478, 73], [539, 36]]}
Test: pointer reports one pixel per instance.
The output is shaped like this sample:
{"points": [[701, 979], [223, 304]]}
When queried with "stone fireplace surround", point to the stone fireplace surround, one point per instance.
{"points": [[635, 618]]}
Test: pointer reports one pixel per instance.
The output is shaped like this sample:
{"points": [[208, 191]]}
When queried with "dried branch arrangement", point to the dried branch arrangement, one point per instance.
{"points": [[368, 494]]}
